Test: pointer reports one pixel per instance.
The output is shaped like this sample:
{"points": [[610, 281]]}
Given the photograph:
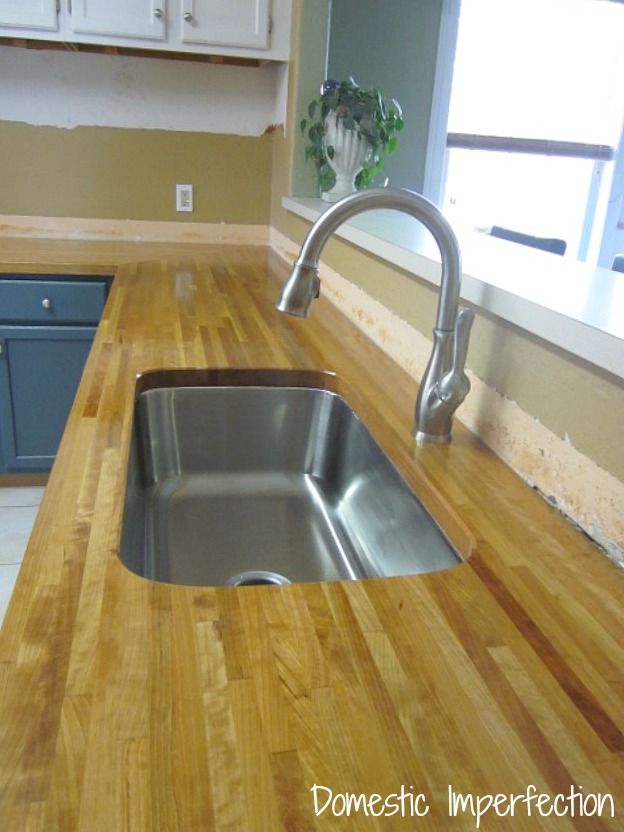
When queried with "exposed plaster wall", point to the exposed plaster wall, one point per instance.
{"points": [[109, 136], [70, 89], [582, 490]]}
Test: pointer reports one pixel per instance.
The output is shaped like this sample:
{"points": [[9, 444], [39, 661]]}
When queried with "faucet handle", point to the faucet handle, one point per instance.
{"points": [[463, 327], [454, 386]]}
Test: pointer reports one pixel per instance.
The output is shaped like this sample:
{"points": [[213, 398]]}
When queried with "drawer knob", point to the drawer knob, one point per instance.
{"points": [[188, 17], [158, 13], [46, 303]]}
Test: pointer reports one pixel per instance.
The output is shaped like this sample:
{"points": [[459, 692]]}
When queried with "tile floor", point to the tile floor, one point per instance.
{"points": [[18, 509]]}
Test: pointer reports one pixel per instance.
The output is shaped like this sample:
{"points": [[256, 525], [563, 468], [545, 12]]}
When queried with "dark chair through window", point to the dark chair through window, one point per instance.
{"points": [[550, 244]]}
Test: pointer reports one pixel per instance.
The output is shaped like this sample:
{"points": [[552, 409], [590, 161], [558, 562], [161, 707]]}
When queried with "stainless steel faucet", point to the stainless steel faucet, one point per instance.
{"points": [[444, 385]]}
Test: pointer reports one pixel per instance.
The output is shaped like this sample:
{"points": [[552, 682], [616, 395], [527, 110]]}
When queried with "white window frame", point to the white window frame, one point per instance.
{"points": [[612, 239]]}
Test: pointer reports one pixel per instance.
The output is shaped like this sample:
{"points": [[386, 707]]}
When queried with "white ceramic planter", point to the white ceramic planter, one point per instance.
{"points": [[350, 151]]}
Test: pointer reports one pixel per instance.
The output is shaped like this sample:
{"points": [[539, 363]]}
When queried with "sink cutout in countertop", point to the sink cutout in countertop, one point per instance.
{"points": [[250, 473]]}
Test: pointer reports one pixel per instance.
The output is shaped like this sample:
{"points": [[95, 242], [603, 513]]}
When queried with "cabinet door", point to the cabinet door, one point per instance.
{"points": [[40, 369], [226, 22], [120, 18], [30, 14]]}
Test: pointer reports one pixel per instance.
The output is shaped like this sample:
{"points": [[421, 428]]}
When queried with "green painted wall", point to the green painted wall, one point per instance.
{"points": [[308, 71], [394, 46]]}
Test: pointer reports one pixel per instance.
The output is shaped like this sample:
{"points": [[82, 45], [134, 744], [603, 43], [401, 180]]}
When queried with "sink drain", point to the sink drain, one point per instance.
{"points": [[256, 579]]}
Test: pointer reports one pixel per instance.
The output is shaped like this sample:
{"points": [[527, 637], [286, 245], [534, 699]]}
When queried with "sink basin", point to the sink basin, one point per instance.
{"points": [[254, 477]]}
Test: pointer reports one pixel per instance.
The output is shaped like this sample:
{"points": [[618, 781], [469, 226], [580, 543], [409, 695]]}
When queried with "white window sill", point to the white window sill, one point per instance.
{"points": [[576, 307]]}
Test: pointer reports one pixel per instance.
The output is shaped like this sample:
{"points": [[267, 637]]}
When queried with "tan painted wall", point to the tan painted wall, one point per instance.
{"points": [[118, 173]]}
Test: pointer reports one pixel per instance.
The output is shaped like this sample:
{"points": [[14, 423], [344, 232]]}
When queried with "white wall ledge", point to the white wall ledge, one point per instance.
{"points": [[571, 305]]}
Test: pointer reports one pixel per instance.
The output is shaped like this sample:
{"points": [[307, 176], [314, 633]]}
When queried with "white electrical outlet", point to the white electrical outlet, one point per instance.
{"points": [[184, 197]]}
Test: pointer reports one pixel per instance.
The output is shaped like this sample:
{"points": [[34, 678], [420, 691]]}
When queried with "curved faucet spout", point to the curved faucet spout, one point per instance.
{"points": [[444, 384], [396, 199]]}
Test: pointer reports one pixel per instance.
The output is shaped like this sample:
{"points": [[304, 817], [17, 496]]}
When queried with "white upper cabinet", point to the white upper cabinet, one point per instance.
{"points": [[256, 29], [119, 18], [229, 22], [29, 14]]}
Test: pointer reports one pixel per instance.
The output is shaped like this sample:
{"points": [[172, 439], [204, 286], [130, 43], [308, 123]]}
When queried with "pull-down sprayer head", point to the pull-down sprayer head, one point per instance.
{"points": [[301, 288]]}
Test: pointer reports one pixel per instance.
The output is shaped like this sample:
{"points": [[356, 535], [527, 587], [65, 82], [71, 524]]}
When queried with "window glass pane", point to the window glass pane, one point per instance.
{"points": [[488, 189], [537, 69], [540, 69]]}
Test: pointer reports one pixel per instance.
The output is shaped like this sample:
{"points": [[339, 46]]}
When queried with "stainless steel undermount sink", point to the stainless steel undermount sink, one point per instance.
{"points": [[254, 477]]}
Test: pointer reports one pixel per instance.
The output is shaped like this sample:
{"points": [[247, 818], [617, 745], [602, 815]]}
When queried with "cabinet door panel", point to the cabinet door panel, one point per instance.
{"points": [[120, 18], [226, 22], [40, 369], [30, 14]]}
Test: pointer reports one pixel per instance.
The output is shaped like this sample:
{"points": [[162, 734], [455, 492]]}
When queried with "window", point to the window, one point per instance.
{"points": [[536, 115]]}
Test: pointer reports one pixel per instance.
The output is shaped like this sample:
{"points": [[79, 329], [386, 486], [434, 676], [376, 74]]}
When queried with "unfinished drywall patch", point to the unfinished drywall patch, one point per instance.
{"points": [[587, 494], [579, 488], [70, 89]]}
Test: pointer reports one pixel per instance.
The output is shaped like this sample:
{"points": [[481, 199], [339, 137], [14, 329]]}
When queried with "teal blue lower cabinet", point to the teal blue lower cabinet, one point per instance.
{"points": [[39, 374], [47, 326]]}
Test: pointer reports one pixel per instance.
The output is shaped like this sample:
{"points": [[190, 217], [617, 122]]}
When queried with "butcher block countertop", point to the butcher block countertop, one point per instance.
{"points": [[489, 695]]}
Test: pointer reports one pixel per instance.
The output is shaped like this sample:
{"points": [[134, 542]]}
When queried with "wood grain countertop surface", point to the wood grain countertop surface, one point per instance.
{"points": [[128, 704]]}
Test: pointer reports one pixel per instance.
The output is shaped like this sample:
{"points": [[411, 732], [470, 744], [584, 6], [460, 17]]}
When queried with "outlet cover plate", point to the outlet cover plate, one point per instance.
{"points": [[184, 197]]}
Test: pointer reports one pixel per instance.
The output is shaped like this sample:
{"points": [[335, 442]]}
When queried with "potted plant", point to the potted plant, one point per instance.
{"points": [[349, 131]]}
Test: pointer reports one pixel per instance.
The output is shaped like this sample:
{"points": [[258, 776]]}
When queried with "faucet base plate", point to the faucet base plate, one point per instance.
{"points": [[423, 438]]}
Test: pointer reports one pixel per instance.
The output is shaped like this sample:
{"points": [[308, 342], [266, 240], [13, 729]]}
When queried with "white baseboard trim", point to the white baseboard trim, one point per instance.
{"points": [[148, 231]]}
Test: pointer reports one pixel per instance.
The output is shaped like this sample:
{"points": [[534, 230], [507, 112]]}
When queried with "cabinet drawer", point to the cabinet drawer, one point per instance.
{"points": [[52, 301]]}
